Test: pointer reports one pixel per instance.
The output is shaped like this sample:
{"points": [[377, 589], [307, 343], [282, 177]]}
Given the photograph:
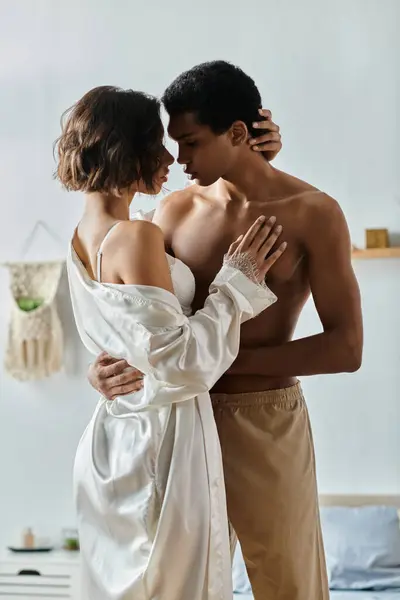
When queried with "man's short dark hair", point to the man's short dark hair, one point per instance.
{"points": [[111, 139], [219, 94]]}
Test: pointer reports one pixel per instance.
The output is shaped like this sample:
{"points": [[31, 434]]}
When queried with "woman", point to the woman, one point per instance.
{"points": [[148, 471]]}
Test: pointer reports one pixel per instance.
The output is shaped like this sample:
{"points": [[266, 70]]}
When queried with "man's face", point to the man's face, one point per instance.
{"points": [[205, 155]]}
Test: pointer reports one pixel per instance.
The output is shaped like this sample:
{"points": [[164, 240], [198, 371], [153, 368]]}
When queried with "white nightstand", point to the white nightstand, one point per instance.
{"points": [[42, 576]]}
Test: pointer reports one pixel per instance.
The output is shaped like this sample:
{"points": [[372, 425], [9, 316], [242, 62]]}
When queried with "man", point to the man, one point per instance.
{"points": [[258, 405]]}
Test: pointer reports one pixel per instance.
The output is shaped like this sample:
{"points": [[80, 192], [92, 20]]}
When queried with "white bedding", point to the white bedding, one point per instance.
{"points": [[392, 595], [389, 595]]}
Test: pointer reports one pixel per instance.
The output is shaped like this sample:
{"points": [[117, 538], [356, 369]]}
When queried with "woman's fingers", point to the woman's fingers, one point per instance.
{"points": [[235, 245], [271, 260], [262, 235], [251, 233], [270, 241]]}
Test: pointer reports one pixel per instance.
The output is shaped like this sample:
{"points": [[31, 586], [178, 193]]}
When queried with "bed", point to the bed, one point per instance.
{"points": [[339, 595], [387, 595], [354, 501]]}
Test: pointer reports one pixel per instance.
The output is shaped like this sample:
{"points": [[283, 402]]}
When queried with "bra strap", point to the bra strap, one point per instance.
{"points": [[100, 250]]}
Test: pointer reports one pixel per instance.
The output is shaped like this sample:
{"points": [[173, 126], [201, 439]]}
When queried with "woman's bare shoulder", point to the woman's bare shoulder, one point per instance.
{"points": [[138, 230], [140, 255]]}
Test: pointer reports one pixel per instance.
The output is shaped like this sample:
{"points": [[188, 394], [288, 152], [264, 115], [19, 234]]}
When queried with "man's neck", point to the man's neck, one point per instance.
{"points": [[249, 175]]}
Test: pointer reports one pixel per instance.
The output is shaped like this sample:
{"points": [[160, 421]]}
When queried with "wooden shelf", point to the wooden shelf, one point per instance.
{"points": [[376, 253]]}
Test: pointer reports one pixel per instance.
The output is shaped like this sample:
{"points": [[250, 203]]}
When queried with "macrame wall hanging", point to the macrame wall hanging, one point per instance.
{"points": [[35, 337]]}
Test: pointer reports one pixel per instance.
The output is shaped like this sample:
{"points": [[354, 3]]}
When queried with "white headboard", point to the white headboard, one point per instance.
{"points": [[367, 500]]}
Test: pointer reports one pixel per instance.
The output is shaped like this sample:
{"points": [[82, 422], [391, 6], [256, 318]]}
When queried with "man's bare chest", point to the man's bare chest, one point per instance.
{"points": [[203, 239]]}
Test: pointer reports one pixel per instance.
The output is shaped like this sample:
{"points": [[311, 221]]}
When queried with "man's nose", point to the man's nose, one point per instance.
{"points": [[183, 158]]}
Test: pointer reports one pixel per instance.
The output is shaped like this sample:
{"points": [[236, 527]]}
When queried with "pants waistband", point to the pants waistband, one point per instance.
{"points": [[285, 396]]}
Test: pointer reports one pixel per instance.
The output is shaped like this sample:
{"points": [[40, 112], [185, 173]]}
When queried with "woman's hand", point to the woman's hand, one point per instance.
{"points": [[270, 141], [256, 245]]}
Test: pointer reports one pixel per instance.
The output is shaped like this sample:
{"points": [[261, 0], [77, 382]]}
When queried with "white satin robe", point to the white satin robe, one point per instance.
{"points": [[148, 475]]}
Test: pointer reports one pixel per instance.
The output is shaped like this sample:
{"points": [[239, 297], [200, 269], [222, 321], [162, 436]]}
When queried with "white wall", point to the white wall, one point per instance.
{"points": [[327, 70]]}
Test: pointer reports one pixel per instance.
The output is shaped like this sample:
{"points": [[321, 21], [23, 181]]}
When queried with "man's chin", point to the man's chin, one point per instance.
{"points": [[203, 181]]}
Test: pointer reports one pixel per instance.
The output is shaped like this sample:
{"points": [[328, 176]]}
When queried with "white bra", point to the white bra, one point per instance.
{"points": [[182, 277]]}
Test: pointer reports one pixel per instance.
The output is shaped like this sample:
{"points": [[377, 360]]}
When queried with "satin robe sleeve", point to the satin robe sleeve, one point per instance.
{"points": [[180, 356]]}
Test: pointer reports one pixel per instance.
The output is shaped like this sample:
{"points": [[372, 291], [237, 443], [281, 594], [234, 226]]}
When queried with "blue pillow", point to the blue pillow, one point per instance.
{"points": [[362, 547], [241, 583]]}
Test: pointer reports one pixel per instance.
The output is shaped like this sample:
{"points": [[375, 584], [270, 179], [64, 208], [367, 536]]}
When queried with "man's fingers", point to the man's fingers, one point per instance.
{"points": [[105, 359], [114, 369], [102, 358], [123, 390], [126, 378]]}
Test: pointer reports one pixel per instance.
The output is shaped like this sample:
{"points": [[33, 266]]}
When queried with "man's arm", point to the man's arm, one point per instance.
{"points": [[337, 299]]}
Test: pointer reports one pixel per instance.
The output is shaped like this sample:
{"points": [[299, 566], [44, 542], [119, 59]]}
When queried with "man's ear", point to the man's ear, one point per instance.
{"points": [[239, 133]]}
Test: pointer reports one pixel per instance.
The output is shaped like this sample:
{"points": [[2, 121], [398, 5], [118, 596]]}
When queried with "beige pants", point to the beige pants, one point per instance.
{"points": [[271, 489]]}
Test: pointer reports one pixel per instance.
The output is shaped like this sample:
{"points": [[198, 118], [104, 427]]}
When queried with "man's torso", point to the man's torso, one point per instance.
{"points": [[199, 225]]}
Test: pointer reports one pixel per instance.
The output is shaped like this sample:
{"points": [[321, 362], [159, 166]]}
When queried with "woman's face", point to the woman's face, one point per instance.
{"points": [[161, 176]]}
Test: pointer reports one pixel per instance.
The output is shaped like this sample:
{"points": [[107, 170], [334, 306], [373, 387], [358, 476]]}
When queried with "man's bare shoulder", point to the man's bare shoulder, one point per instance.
{"points": [[311, 201], [180, 200], [175, 207], [319, 206], [321, 217], [292, 187], [313, 210]]}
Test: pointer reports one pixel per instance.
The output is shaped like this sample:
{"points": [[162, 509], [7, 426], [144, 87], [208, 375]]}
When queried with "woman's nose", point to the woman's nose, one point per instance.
{"points": [[168, 158]]}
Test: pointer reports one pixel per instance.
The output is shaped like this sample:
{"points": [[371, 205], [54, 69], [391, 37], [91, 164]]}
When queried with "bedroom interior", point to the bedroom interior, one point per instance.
{"points": [[361, 545], [330, 74]]}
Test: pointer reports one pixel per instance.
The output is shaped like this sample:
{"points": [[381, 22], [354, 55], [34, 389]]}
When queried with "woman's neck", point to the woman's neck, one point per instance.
{"points": [[116, 207]]}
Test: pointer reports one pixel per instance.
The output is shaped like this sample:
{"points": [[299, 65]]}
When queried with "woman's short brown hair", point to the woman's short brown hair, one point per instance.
{"points": [[110, 139]]}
